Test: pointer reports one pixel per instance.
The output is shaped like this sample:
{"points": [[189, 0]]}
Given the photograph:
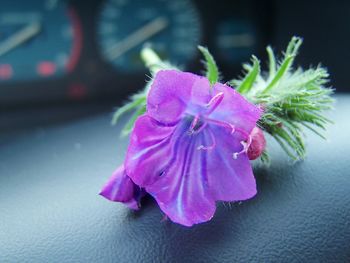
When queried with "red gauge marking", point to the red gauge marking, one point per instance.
{"points": [[46, 68], [5, 71], [77, 40]]}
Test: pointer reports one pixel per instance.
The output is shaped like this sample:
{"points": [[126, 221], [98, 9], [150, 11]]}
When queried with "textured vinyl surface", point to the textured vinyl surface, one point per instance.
{"points": [[50, 210]]}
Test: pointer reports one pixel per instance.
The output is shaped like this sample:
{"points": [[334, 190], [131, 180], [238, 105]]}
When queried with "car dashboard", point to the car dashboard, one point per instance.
{"points": [[52, 50]]}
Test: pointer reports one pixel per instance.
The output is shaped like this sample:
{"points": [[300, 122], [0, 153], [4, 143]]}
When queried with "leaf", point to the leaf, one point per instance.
{"points": [[249, 80], [212, 72], [272, 62], [127, 107], [265, 158], [280, 73], [286, 149], [314, 131], [293, 46], [293, 99], [290, 54]]}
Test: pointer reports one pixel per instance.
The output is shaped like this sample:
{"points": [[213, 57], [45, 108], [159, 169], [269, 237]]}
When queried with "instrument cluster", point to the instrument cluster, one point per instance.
{"points": [[54, 50]]}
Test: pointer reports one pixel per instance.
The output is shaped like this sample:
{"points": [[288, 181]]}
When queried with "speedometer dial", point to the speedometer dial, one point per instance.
{"points": [[38, 39], [171, 27]]}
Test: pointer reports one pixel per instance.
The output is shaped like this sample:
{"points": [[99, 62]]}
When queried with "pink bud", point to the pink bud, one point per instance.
{"points": [[257, 145]]}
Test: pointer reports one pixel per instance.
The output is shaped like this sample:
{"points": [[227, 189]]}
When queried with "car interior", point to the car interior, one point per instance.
{"points": [[67, 65]]}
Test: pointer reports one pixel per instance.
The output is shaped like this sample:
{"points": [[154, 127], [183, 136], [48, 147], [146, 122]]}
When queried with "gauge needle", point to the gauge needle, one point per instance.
{"points": [[137, 37], [19, 37]]}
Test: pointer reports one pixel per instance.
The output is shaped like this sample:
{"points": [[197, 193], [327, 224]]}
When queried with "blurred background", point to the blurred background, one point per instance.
{"points": [[65, 54]]}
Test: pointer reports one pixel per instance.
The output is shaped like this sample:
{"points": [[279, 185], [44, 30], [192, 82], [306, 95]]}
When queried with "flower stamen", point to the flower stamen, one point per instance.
{"points": [[245, 147], [222, 124], [233, 129], [194, 124], [214, 102]]}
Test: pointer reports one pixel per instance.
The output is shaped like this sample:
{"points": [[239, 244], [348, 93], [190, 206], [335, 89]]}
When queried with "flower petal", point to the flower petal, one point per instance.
{"points": [[235, 109], [185, 180], [183, 192], [149, 150], [174, 92], [120, 188], [170, 171], [230, 179]]}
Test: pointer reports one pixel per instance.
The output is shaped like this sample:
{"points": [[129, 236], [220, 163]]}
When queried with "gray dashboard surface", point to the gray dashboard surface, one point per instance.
{"points": [[50, 210]]}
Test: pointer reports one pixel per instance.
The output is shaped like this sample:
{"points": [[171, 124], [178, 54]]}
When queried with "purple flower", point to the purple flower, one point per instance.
{"points": [[120, 188], [189, 149]]}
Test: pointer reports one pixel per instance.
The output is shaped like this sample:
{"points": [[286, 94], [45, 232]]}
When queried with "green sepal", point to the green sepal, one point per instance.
{"points": [[135, 102], [130, 124], [247, 83], [212, 71], [291, 52], [272, 62], [293, 99], [265, 157]]}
